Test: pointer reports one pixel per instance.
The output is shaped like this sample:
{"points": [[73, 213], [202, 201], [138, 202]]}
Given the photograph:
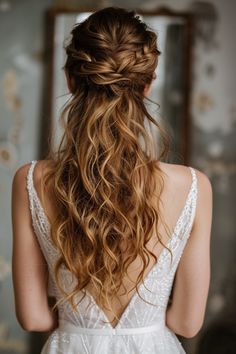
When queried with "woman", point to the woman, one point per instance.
{"points": [[102, 225]]}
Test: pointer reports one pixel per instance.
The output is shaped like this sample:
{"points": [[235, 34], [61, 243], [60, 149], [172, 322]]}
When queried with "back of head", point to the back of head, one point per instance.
{"points": [[103, 178], [112, 51]]}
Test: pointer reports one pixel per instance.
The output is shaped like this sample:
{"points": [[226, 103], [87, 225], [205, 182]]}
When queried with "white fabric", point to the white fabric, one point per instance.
{"points": [[141, 328], [69, 327]]}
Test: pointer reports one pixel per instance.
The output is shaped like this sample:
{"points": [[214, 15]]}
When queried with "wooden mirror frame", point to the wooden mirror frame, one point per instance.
{"points": [[46, 122]]}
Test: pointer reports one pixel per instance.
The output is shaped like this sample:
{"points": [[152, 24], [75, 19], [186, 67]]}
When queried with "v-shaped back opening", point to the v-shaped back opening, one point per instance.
{"points": [[158, 262], [161, 255]]}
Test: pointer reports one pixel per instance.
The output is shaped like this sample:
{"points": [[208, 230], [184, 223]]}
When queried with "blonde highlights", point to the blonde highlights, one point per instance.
{"points": [[105, 174]]}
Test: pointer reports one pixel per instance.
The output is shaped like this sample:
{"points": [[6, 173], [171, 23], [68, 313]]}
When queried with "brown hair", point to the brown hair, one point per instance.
{"points": [[103, 176]]}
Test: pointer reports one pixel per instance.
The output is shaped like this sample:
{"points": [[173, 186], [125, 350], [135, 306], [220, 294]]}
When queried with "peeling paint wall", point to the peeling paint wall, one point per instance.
{"points": [[213, 135]]}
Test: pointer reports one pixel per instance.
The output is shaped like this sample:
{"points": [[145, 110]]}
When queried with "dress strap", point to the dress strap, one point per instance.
{"points": [[194, 177], [194, 194], [37, 211], [30, 187]]}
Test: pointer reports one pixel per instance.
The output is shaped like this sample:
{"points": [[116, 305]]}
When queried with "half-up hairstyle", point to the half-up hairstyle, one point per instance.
{"points": [[105, 174]]}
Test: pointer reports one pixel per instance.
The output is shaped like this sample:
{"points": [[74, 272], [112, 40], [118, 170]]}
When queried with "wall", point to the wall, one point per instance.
{"points": [[21, 38], [213, 134]]}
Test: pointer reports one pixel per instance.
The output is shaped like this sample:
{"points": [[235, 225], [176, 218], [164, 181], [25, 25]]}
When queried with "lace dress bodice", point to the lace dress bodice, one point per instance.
{"points": [[141, 328]]}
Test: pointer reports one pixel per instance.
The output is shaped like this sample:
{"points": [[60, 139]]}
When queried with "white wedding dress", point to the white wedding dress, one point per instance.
{"points": [[141, 329]]}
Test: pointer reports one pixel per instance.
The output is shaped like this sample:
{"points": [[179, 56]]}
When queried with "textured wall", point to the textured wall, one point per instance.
{"points": [[21, 38], [213, 134]]}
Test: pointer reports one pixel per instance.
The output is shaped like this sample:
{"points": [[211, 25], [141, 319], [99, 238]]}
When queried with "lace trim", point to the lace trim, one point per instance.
{"points": [[40, 221]]}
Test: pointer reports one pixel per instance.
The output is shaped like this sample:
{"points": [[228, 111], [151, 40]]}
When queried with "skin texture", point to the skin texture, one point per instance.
{"points": [[184, 315], [29, 268]]}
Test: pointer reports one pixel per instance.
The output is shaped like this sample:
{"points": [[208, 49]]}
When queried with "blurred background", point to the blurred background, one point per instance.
{"points": [[196, 91]]}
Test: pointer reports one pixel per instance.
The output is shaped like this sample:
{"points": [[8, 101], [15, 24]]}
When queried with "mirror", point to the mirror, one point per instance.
{"points": [[171, 89]]}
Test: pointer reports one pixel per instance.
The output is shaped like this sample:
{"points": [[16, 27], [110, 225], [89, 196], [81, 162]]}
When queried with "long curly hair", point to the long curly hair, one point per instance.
{"points": [[105, 174]]}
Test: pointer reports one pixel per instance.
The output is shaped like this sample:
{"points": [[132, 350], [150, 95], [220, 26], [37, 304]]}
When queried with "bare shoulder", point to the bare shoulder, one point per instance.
{"points": [[21, 173], [178, 173], [181, 176]]}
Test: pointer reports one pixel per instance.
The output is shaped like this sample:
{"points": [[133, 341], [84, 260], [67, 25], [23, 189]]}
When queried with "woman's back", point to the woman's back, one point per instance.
{"points": [[179, 200], [178, 182]]}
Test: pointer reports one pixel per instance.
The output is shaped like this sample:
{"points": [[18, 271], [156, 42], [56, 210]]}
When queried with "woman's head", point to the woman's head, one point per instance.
{"points": [[111, 51], [104, 175]]}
